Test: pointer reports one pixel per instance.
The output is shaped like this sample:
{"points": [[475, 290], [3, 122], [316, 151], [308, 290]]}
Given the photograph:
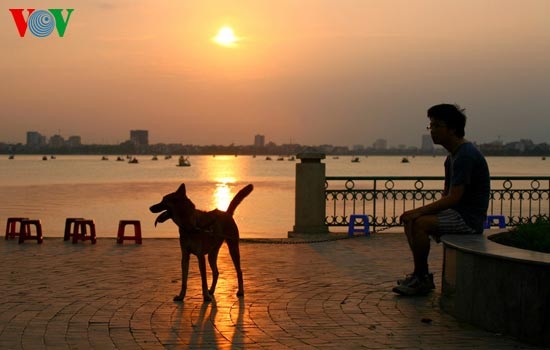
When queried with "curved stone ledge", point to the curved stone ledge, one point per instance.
{"points": [[500, 288]]}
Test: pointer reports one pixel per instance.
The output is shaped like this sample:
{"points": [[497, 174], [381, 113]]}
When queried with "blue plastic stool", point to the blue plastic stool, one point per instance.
{"points": [[352, 229], [492, 218]]}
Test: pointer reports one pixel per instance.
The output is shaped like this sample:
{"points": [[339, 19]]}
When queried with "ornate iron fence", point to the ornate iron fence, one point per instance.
{"points": [[384, 198]]}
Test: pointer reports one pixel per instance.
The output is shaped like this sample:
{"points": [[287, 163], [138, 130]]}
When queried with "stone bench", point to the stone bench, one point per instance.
{"points": [[499, 288]]}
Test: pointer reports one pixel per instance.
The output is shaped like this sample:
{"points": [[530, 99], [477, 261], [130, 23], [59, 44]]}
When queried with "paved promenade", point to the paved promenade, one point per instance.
{"points": [[331, 295]]}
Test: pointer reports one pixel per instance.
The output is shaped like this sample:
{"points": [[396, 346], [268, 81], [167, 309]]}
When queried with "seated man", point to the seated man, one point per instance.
{"points": [[463, 207]]}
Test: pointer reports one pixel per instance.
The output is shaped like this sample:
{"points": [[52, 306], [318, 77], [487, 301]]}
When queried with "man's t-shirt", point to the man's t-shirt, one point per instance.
{"points": [[468, 167]]}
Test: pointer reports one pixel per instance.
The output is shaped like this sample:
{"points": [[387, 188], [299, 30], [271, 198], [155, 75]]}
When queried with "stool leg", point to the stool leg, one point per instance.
{"points": [[138, 233], [92, 233], [120, 234], [39, 237], [75, 234], [67, 233], [7, 229], [22, 233]]}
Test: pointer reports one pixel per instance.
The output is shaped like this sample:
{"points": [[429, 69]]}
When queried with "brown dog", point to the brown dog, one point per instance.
{"points": [[203, 233]]}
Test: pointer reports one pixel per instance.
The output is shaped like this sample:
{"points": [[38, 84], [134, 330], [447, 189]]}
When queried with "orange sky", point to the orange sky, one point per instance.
{"points": [[315, 71]]}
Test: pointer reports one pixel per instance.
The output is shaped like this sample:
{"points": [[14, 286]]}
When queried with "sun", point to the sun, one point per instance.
{"points": [[226, 37]]}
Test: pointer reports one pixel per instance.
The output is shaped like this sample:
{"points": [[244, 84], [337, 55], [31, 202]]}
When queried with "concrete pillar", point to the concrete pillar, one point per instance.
{"points": [[309, 216]]}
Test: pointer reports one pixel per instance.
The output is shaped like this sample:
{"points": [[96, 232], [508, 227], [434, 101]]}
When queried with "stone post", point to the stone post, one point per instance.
{"points": [[310, 205]]}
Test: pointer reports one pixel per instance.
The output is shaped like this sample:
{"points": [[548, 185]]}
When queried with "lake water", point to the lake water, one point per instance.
{"points": [[108, 191]]}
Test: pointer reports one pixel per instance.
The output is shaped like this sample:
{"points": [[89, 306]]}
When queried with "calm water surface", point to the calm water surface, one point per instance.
{"points": [[108, 191]]}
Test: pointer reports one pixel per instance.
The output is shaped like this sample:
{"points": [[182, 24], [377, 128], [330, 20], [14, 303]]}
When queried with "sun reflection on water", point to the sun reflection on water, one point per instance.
{"points": [[223, 193]]}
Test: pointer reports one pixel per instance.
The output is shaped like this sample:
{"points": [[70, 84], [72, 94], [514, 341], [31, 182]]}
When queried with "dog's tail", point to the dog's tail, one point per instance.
{"points": [[239, 198]]}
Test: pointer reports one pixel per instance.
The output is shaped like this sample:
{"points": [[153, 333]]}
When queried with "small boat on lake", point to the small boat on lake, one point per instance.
{"points": [[291, 159], [119, 159], [355, 160], [280, 158], [104, 158], [168, 157], [267, 158], [404, 160], [154, 158], [11, 156], [44, 158], [183, 161], [133, 161]]}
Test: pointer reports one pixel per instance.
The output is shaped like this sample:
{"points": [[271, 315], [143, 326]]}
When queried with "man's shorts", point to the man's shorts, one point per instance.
{"points": [[449, 221]]}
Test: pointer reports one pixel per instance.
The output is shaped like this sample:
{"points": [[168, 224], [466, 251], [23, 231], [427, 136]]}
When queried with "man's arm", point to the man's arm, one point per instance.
{"points": [[455, 194]]}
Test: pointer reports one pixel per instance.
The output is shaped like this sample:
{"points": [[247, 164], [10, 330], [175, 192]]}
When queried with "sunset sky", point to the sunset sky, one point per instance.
{"points": [[342, 72]]}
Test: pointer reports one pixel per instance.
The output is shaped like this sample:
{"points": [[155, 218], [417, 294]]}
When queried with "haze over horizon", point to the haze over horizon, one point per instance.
{"points": [[315, 71]]}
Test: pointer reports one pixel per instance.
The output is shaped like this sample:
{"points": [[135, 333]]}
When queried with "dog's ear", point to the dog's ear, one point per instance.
{"points": [[181, 190]]}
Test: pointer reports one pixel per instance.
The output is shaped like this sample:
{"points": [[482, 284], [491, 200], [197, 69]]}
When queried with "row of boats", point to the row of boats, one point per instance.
{"points": [[356, 160], [291, 158], [182, 161]]}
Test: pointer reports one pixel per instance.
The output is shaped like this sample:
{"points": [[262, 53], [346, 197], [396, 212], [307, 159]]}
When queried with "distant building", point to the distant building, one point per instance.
{"points": [[259, 141], [427, 144], [35, 140], [380, 144], [74, 141], [139, 137], [57, 141], [358, 148]]}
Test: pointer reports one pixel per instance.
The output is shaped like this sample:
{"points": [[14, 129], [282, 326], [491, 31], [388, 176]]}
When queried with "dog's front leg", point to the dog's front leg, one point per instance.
{"points": [[202, 268], [184, 273]]}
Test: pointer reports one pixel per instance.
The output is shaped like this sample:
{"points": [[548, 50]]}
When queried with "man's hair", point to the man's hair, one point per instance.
{"points": [[452, 115]]}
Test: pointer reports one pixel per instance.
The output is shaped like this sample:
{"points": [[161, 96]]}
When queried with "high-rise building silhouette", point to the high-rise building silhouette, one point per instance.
{"points": [[35, 139], [139, 137], [380, 144], [259, 141]]}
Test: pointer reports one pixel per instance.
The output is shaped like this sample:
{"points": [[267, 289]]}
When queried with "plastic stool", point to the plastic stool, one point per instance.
{"points": [[11, 227], [25, 232], [80, 231], [68, 231], [352, 229], [492, 218], [137, 231]]}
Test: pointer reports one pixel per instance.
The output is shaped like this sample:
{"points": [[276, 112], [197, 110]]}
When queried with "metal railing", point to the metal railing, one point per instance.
{"points": [[383, 199]]}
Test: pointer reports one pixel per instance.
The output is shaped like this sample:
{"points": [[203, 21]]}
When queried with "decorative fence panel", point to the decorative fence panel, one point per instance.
{"points": [[384, 198]]}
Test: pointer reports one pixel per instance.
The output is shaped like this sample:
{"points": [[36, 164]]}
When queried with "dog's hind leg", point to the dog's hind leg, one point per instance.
{"points": [[213, 262], [233, 245], [202, 268], [184, 274]]}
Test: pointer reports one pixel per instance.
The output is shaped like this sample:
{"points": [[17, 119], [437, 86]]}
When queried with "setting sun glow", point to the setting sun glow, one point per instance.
{"points": [[226, 37]]}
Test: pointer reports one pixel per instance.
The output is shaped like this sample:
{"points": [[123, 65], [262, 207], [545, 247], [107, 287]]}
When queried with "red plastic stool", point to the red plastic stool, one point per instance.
{"points": [[137, 230], [11, 227], [25, 232], [80, 231], [70, 227]]}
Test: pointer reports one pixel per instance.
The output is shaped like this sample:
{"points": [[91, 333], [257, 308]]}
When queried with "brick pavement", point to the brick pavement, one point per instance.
{"points": [[327, 295]]}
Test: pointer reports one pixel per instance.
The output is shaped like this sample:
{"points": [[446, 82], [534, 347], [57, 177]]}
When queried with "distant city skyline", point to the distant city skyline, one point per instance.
{"points": [[341, 72], [139, 141]]}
